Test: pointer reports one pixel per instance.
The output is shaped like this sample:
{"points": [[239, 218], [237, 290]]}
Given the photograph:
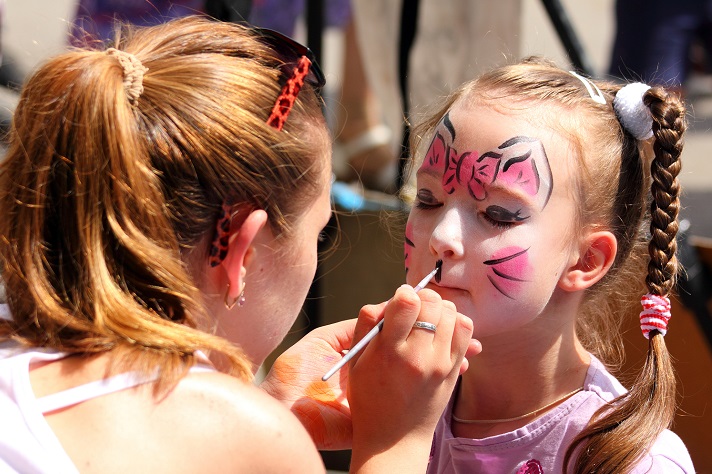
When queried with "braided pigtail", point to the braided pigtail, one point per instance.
{"points": [[619, 434], [668, 125]]}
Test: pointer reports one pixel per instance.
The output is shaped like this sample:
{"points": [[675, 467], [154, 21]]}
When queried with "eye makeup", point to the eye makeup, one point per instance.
{"points": [[499, 213]]}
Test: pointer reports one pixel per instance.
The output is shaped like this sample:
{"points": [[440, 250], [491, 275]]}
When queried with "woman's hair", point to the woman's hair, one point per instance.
{"points": [[616, 182], [103, 195]]}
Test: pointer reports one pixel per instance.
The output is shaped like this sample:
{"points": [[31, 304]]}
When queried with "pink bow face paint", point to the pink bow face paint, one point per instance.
{"points": [[518, 163], [486, 205]]}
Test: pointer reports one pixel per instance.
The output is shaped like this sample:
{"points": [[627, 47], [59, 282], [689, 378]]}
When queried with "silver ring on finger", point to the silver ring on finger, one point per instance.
{"points": [[425, 325]]}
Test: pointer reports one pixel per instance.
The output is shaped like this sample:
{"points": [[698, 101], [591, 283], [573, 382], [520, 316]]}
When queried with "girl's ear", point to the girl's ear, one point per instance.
{"points": [[241, 250], [596, 255]]}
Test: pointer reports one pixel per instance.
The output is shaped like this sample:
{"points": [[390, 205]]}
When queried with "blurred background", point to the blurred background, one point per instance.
{"points": [[34, 29], [385, 61]]}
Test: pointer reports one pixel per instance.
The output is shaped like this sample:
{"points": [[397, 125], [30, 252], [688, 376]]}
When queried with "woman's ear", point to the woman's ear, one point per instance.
{"points": [[241, 250], [596, 256]]}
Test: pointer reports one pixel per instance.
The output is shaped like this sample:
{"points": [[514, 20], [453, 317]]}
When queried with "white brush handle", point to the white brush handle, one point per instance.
{"points": [[372, 333]]}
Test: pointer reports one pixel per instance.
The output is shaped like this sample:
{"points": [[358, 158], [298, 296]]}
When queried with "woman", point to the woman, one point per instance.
{"points": [[161, 198]]}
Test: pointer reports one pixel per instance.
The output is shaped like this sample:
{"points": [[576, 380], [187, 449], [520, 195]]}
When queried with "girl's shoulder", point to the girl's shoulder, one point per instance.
{"points": [[600, 381], [668, 455]]}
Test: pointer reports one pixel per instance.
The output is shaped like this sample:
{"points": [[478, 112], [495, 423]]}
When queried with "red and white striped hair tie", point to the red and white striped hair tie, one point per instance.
{"points": [[655, 314]]}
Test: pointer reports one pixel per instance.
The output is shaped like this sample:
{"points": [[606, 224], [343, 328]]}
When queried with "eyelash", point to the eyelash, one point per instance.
{"points": [[419, 204], [322, 236], [497, 224]]}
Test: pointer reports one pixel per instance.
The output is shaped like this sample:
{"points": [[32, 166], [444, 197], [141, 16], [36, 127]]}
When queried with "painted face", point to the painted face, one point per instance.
{"points": [[489, 206]]}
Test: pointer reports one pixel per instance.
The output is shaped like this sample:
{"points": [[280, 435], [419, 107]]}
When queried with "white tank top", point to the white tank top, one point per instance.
{"points": [[27, 443]]}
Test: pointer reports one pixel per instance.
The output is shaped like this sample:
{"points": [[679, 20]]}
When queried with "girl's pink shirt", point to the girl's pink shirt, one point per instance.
{"points": [[540, 446]]}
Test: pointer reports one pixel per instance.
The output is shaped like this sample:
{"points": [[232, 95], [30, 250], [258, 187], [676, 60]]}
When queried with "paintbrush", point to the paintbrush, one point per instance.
{"points": [[372, 333]]}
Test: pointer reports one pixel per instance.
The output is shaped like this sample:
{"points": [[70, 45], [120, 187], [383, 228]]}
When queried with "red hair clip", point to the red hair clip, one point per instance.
{"points": [[288, 96], [218, 249]]}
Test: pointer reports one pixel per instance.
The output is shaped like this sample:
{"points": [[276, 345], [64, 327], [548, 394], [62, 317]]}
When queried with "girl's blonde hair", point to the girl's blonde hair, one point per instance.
{"points": [[616, 184], [103, 196]]}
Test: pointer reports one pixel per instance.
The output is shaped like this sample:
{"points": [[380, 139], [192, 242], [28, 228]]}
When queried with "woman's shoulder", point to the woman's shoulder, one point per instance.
{"points": [[207, 422], [237, 425]]}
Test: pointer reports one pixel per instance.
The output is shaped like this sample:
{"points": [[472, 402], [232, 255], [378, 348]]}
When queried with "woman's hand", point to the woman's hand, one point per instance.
{"points": [[394, 364], [295, 380], [400, 383]]}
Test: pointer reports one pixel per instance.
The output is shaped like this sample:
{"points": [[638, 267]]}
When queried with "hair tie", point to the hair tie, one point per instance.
{"points": [[133, 73], [655, 314], [632, 112]]}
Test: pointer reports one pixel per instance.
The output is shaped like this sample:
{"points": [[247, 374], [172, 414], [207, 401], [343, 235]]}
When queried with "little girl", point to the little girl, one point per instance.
{"points": [[534, 191]]}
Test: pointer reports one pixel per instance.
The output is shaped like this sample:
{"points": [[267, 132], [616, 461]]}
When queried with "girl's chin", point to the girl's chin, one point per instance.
{"points": [[461, 298]]}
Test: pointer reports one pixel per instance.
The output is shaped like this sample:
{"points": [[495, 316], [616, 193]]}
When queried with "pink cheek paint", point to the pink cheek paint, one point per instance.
{"points": [[508, 269]]}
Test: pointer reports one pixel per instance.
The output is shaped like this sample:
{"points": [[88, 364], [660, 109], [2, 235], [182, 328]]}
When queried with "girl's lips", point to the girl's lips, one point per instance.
{"points": [[440, 287]]}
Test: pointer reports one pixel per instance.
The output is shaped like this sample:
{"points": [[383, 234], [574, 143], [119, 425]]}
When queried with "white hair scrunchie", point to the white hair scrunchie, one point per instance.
{"points": [[633, 114]]}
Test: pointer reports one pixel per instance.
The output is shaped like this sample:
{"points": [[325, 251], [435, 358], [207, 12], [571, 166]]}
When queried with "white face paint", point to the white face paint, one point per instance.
{"points": [[486, 204]]}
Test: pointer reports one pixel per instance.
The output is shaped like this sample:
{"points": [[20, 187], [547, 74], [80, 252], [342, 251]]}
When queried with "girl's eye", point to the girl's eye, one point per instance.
{"points": [[322, 236], [503, 218], [424, 199]]}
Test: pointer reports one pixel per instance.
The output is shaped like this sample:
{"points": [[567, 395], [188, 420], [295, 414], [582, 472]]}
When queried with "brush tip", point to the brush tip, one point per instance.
{"points": [[439, 267]]}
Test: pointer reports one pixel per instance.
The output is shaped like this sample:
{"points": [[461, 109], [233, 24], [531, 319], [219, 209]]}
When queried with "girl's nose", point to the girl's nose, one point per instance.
{"points": [[446, 239]]}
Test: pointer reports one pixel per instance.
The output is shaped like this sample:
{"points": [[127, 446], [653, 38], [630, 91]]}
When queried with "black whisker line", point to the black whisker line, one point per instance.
{"points": [[507, 277], [498, 288], [504, 259]]}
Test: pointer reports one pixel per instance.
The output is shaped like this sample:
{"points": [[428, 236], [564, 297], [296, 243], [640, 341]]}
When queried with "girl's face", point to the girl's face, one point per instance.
{"points": [[494, 203]]}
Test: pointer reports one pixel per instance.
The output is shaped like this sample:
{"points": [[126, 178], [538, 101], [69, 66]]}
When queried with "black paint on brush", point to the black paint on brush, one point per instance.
{"points": [[439, 266]]}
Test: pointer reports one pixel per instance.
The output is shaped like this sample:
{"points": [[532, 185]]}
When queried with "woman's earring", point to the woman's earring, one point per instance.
{"points": [[240, 300]]}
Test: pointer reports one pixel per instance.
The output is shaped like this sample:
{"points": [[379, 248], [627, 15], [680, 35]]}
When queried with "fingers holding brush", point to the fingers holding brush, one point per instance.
{"points": [[377, 328], [400, 383]]}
